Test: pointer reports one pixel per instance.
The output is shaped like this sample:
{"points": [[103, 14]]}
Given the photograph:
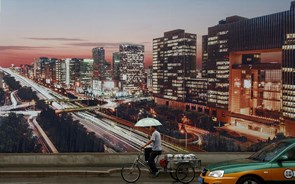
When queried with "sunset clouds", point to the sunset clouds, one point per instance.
{"points": [[71, 28]]}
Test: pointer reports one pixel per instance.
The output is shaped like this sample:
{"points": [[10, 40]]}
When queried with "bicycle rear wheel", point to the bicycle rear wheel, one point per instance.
{"points": [[185, 173], [130, 173]]}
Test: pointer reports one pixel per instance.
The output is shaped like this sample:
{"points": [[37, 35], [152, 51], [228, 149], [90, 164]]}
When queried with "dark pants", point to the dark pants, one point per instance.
{"points": [[151, 161]]}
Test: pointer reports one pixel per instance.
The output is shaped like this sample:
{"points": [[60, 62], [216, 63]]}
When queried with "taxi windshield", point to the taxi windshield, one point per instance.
{"points": [[269, 152]]}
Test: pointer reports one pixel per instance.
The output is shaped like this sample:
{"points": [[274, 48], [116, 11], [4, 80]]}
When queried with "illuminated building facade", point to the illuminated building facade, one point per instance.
{"points": [[86, 73], [59, 71], [240, 41], [149, 78], [131, 68], [204, 56], [116, 65], [196, 91], [1, 80], [42, 67], [289, 75], [73, 72], [98, 55], [216, 62], [174, 61], [255, 96]]}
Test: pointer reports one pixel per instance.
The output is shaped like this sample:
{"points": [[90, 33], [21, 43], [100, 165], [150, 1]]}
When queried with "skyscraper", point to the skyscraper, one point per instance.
{"points": [[43, 61], [73, 72], [174, 61], [1, 79], [86, 73], [204, 56], [238, 42], [116, 65], [149, 78], [131, 65], [98, 55]]}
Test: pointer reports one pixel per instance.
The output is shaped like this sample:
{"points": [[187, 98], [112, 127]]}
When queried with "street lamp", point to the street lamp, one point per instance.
{"points": [[184, 131]]}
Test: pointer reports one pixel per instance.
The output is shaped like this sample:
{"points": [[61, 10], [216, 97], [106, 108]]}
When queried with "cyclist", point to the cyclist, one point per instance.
{"points": [[156, 149]]}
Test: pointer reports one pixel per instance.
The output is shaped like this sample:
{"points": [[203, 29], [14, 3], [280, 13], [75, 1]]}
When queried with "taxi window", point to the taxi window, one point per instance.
{"points": [[290, 154], [269, 152]]}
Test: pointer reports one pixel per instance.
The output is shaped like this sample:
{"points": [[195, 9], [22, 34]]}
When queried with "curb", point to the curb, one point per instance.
{"points": [[44, 173], [85, 173], [53, 173]]}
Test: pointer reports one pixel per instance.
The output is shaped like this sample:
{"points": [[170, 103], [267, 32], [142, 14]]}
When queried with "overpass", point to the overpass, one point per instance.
{"points": [[58, 111], [26, 113], [66, 100]]}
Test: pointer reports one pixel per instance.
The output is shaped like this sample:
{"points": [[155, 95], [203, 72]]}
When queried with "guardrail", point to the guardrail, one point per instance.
{"points": [[99, 159]]}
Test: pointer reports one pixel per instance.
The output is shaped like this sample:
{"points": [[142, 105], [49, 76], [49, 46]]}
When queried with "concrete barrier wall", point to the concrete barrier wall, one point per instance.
{"points": [[98, 159]]}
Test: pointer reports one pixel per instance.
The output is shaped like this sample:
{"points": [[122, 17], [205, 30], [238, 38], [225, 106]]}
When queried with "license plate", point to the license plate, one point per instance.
{"points": [[201, 180]]}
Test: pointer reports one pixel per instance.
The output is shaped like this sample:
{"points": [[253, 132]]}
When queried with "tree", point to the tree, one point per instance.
{"points": [[2, 97], [26, 93], [67, 134], [11, 82], [16, 137]]}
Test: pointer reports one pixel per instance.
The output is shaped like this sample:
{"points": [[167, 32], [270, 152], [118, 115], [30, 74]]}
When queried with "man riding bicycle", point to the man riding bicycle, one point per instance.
{"points": [[156, 150]]}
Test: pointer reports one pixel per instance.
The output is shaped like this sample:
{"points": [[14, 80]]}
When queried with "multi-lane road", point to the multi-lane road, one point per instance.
{"points": [[118, 138]]}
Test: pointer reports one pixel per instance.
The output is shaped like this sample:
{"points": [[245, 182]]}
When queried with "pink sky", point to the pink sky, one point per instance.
{"points": [[31, 29]]}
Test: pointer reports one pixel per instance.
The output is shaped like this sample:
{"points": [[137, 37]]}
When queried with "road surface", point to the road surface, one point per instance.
{"points": [[114, 179]]}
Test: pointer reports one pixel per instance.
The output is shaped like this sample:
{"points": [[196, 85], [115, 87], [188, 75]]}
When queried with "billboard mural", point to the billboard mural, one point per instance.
{"points": [[215, 82]]}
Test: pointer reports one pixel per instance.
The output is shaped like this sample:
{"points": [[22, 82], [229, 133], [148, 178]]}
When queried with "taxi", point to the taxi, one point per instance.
{"points": [[273, 164]]}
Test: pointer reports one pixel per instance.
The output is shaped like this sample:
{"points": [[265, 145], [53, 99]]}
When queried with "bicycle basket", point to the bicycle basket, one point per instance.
{"points": [[163, 163]]}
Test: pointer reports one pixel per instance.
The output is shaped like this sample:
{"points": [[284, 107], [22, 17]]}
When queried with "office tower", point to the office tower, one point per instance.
{"points": [[116, 65], [241, 41], [174, 61], [29, 71], [43, 62], [255, 97], [86, 73], [98, 55], [149, 78], [108, 71], [63, 71], [1, 79], [73, 72], [54, 69], [196, 91], [58, 71], [204, 55], [131, 65]]}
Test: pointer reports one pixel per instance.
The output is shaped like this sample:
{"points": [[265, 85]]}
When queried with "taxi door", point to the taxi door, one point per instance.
{"points": [[283, 170]]}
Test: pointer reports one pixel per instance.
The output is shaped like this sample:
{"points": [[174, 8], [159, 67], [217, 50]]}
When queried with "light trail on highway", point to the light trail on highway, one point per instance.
{"points": [[116, 134]]}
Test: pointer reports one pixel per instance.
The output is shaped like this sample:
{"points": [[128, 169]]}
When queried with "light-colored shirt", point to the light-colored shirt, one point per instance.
{"points": [[156, 139]]}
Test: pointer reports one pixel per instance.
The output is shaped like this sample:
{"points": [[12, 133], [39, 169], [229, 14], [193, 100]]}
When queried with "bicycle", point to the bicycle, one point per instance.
{"points": [[182, 170]]}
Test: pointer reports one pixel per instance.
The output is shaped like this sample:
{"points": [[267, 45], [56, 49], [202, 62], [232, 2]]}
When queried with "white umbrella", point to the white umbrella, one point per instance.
{"points": [[147, 122]]}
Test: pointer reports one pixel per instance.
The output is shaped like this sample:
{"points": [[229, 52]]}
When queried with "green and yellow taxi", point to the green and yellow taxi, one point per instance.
{"points": [[273, 164]]}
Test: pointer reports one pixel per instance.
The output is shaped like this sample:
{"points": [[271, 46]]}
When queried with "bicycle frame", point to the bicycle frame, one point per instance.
{"points": [[140, 161]]}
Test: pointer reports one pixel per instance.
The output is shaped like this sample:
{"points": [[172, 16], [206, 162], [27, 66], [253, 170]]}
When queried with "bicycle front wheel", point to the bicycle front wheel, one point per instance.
{"points": [[130, 173], [185, 173]]}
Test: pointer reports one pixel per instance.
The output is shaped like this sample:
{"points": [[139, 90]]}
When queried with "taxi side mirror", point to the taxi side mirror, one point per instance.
{"points": [[283, 158]]}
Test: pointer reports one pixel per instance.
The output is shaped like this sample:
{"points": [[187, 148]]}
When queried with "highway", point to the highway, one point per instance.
{"points": [[119, 133], [117, 137], [43, 138]]}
